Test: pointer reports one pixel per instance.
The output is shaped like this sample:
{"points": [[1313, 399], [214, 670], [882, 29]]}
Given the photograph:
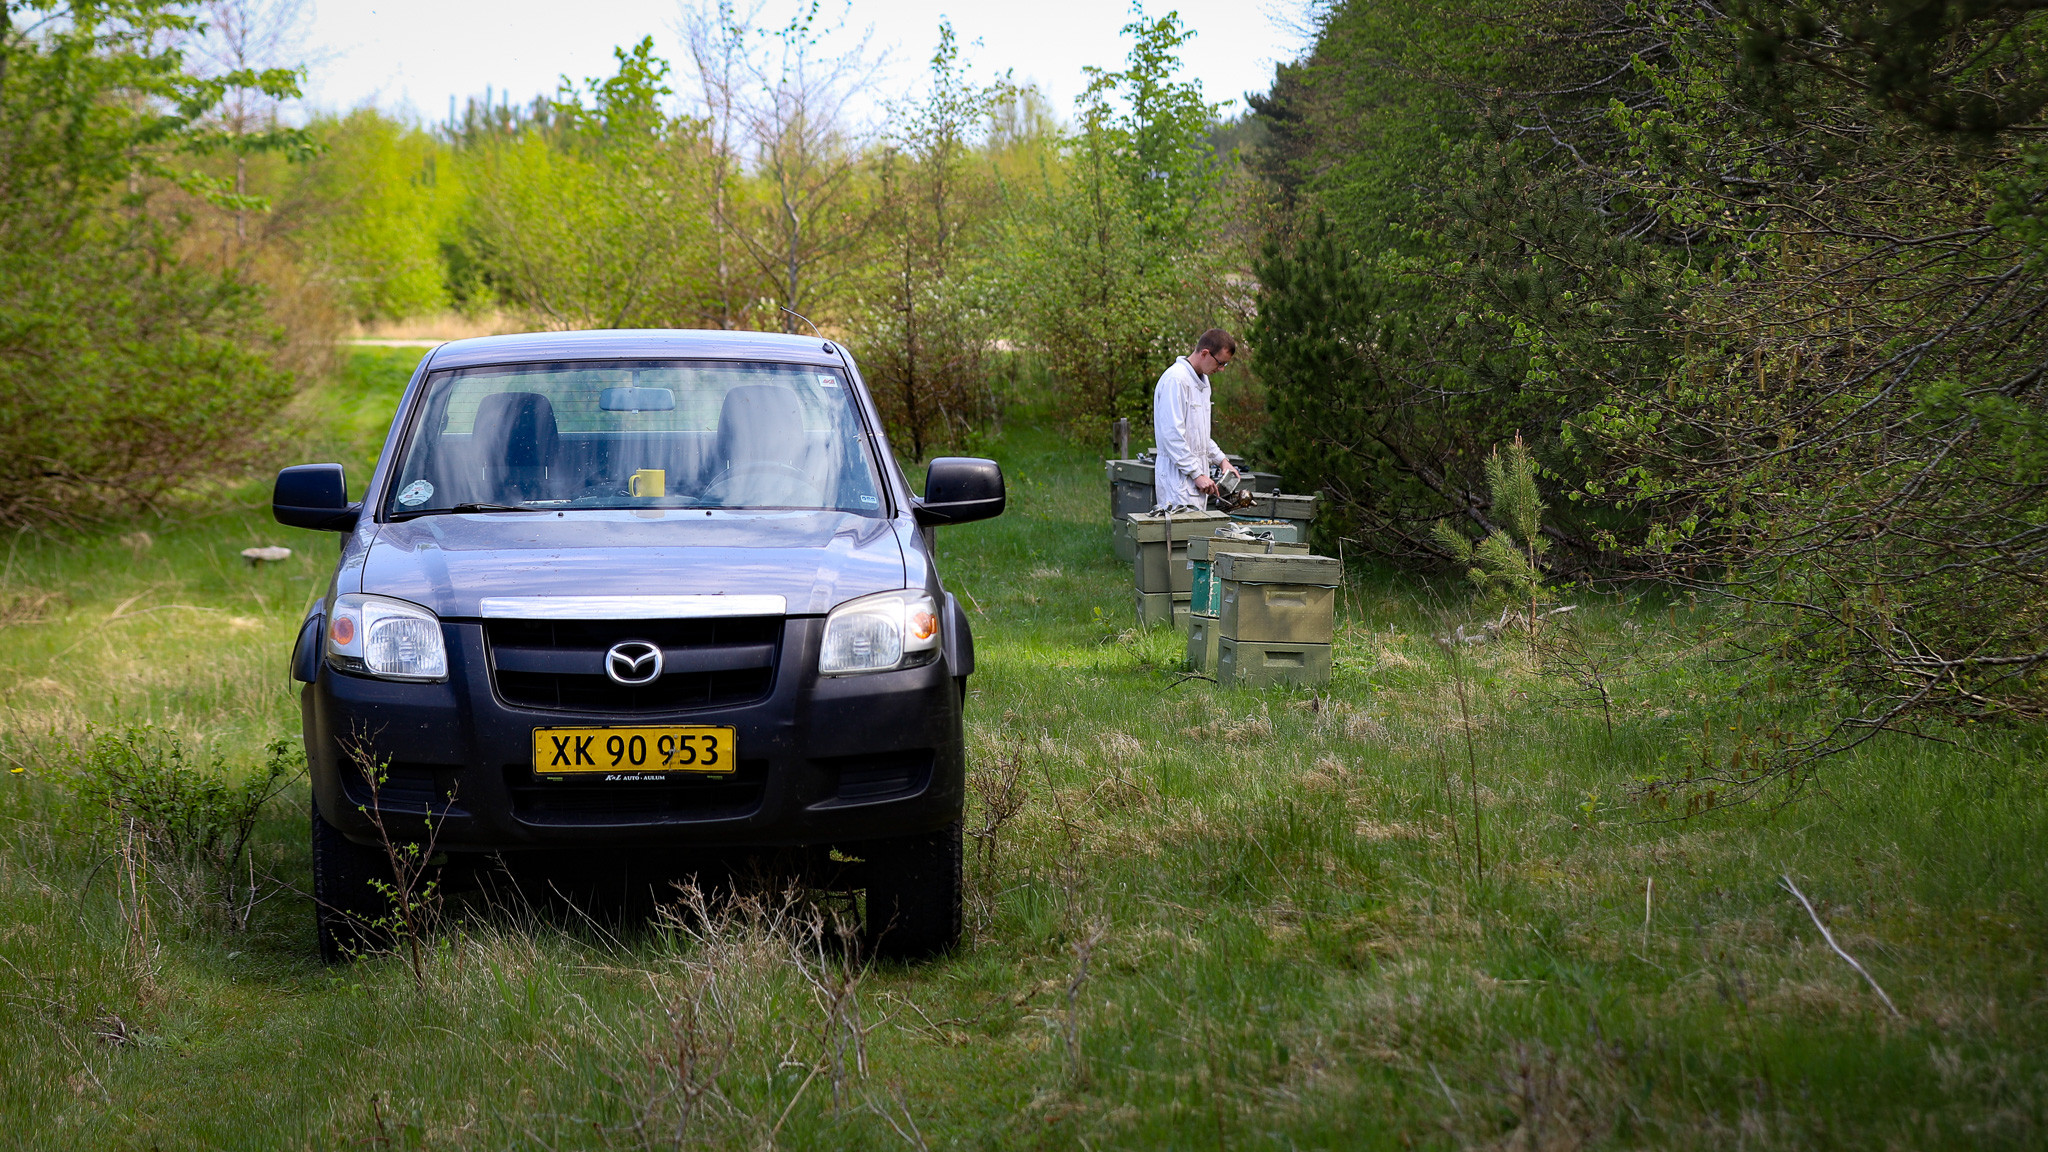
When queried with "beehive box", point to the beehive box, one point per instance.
{"points": [[1130, 488], [1258, 568], [1160, 561], [1254, 664], [1281, 506], [1202, 637], [1277, 613], [1203, 580], [1283, 531], [1157, 609], [1263, 481]]}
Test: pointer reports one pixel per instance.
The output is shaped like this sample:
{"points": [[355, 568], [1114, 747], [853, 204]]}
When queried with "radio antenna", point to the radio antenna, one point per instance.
{"points": [[805, 319]]}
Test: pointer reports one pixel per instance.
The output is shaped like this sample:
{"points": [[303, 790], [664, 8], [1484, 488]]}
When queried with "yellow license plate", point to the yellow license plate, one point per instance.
{"points": [[633, 753]]}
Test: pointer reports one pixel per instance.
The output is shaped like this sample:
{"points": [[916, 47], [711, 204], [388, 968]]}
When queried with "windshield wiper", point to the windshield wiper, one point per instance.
{"points": [[478, 506]]}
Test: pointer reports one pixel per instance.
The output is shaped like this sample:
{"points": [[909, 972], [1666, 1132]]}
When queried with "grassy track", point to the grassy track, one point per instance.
{"points": [[1232, 920]]}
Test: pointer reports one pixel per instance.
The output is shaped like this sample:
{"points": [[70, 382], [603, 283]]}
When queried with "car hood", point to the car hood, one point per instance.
{"points": [[814, 560]]}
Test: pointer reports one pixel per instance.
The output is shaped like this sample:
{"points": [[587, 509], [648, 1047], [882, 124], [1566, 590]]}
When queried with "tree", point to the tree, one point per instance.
{"points": [[1115, 276], [927, 322], [595, 215], [799, 219], [124, 372]]}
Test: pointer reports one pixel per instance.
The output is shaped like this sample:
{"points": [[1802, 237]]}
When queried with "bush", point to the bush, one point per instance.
{"points": [[191, 810], [124, 370]]}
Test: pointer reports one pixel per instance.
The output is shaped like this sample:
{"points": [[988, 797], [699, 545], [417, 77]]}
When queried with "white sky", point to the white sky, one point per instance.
{"points": [[412, 56]]}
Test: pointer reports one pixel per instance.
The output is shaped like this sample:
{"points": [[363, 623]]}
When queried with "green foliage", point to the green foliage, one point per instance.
{"points": [[595, 216], [928, 321], [1443, 280], [1115, 271], [381, 200], [124, 370], [143, 777], [1507, 563], [1761, 292]]}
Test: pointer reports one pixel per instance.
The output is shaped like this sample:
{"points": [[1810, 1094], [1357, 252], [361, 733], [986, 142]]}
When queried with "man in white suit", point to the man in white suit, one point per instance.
{"points": [[1185, 451]]}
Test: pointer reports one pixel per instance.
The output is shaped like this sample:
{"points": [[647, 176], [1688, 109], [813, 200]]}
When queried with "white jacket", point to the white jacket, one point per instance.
{"points": [[1180, 436]]}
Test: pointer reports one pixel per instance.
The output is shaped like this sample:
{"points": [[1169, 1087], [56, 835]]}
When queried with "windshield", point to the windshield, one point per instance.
{"points": [[636, 434]]}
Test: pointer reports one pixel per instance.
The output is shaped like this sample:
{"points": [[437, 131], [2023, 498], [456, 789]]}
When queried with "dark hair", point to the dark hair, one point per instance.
{"points": [[1216, 340]]}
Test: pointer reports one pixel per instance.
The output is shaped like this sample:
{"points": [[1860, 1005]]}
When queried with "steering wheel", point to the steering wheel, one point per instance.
{"points": [[767, 482]]}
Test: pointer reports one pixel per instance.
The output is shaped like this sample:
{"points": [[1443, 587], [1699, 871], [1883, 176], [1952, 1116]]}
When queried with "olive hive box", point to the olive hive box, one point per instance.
{"points": [[1160, 576], [1276, 616], [1130, 493], [1204, 600], [1286, 516]]}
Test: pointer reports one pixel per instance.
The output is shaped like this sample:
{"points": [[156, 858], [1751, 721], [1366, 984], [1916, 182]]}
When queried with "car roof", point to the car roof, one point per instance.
{"points": [[635, 344]]}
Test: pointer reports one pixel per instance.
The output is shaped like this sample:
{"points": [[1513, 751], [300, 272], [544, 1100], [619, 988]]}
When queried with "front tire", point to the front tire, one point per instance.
{"points": [[347, 905], [913, 896]]}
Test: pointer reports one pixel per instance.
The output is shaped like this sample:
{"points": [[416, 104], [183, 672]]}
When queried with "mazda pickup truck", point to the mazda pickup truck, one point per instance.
{"points": [[627, 591]]}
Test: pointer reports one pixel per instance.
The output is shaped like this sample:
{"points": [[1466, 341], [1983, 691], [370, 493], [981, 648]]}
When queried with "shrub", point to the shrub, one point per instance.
{"points": [[193, 810]]}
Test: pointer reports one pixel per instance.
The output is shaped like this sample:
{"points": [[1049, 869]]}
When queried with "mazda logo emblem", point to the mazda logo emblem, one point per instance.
{"points": [[633, 663]]}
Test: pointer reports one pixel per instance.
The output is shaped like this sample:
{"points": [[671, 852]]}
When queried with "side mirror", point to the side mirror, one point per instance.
{"points": [[959, 489], [314, 496]]}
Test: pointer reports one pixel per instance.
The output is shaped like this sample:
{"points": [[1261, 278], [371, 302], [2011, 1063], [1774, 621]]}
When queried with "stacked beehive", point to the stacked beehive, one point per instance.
{"points": [[1205, 600], [1130, 493], [1160, 576], [1275, 619]]}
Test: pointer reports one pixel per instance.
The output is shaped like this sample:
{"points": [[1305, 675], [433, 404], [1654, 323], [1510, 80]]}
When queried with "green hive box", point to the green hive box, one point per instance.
{"points": [[1161, 542], [1281, 506], [1284, 531], [1251, 664], [1202, 637], [1258, 568], [1120, 538], [1203, 593], [1130, 492], [1278, 613], [1157, 609]]}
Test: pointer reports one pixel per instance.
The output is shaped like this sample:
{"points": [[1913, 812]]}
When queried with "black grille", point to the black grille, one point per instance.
{"points": [[731, 797], [884, 776], [407, 787], [559, 664]]}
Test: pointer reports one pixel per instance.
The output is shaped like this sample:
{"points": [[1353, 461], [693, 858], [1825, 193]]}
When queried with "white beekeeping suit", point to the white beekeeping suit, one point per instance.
{"points": [[1180, 434]]}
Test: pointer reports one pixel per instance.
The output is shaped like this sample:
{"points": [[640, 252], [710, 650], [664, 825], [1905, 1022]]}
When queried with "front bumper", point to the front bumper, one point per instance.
{"points": [[822, 760]]}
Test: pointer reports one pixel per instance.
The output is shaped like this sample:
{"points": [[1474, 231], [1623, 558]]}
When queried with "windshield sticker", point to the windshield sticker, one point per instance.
{"points": [[828, 381], [870, 501], [416, 494]]}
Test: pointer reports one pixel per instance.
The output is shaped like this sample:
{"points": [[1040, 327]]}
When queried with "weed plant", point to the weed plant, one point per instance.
{"points": [[1199, 918]]}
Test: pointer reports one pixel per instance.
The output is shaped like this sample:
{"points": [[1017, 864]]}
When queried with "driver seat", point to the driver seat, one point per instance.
{"points": [[515, 435], [759, 424]]}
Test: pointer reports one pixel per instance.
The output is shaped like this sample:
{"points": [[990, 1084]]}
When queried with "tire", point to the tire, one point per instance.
{"points": [[346, 903], [913, 896]]}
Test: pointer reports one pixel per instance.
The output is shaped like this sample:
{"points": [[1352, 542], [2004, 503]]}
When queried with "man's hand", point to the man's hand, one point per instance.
{"points": [[1232, 469], [1206, 486]]}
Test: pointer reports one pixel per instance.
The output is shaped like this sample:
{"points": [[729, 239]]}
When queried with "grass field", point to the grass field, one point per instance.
{"points": [[1371, 916]]}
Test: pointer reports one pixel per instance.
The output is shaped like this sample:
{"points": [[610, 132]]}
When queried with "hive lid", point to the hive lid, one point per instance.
{"points": [[1259, 568], [1151, 527], [1282, 505]]}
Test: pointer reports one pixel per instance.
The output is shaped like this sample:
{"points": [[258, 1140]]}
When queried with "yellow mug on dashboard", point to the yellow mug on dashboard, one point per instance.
{"points": [[648, 482]]}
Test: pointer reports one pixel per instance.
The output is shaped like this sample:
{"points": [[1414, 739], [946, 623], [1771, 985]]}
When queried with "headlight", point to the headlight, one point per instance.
{"points": [[878, 633], [383, 637]]}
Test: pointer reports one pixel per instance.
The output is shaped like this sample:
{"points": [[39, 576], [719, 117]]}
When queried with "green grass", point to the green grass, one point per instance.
{"points": [[1292, 944]]}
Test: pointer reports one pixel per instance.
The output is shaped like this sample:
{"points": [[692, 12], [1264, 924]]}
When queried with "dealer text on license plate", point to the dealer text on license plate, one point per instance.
{"points": [[633, 753]]}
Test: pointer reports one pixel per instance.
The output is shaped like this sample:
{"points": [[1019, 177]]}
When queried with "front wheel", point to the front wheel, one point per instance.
{"points": [[348, 907], [913, 889]]}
